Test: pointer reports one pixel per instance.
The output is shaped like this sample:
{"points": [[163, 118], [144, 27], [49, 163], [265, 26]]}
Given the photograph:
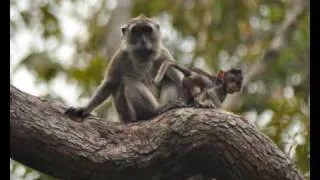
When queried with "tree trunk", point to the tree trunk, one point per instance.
{"points": [[174, 145]]}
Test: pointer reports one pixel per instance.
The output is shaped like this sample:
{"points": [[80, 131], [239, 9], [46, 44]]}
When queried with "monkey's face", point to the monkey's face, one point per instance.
{"points": [[233, 82], [143, 39], [232, 87]]}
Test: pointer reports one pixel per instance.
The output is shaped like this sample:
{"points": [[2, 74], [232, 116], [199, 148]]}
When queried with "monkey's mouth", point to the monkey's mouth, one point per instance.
{"points": [[233, 89], [145, 52]]}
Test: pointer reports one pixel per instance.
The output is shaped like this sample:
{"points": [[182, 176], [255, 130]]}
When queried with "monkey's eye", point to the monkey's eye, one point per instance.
{"points": [[135, 30], [139, 30], [147, 29]]}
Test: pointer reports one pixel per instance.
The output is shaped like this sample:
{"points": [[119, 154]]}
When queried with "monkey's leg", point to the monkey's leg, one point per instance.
{"points": [[145, 104], [156, 109], [171, 88], [168, 93], [135, 103], [178, 103], [123, 106]]}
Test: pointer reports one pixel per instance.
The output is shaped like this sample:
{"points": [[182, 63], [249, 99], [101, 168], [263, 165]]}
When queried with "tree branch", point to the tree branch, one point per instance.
{"points": [[174, 145]]}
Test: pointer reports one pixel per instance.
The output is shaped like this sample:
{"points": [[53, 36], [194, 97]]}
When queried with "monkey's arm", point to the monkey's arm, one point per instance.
{"points": [[166, 60], [171, 71], [214, 96], [202, 72], [161, 71], [100, 95], [104, 90], [175, 75], [168, 64]]}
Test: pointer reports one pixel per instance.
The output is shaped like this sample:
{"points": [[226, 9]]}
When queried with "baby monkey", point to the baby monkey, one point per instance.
{"points": [[129, 74], [201, 89], [225, 82]]}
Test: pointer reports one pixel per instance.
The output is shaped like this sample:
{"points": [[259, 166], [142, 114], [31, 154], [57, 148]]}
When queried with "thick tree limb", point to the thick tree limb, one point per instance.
{"points": [[172, 146]]}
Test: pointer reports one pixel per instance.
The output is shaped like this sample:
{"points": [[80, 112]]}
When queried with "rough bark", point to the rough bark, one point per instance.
{"points": [[174, 145]]}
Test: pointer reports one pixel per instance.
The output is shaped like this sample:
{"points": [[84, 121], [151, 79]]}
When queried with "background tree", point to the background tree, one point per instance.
{"points": [[60, 49]]}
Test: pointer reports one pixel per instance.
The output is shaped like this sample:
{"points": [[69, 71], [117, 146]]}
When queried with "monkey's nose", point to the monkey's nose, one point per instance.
{"points": [[147, 46]]}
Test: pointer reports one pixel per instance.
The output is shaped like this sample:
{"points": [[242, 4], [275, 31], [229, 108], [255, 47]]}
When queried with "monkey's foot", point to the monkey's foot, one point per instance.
{"points": [[179, 103], [77, 114]]}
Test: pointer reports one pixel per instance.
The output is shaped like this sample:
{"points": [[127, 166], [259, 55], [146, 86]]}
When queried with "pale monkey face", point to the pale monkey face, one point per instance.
{"points": [[143, 38]]}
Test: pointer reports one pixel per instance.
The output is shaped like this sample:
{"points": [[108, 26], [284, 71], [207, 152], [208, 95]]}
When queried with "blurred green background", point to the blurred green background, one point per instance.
{"points": [[60, 49]]}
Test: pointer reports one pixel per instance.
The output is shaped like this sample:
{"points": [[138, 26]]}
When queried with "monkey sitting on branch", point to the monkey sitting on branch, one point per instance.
{"points": [[201, 89], [225, 82], [130, 72]]}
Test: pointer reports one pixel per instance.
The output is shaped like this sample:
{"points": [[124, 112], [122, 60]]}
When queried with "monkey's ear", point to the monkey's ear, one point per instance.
{"points": [[221, 74], [124, 29]]}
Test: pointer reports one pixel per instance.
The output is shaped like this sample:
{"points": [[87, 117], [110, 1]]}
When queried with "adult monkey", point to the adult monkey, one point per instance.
{"points": [[129, 76]]}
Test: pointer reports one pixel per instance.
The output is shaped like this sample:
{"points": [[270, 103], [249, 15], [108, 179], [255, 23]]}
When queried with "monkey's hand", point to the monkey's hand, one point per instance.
{"points": [[179, 103], [77, 114]]}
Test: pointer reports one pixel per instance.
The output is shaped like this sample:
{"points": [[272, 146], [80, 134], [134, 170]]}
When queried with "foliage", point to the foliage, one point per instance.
{"points": [[70, 38]]}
